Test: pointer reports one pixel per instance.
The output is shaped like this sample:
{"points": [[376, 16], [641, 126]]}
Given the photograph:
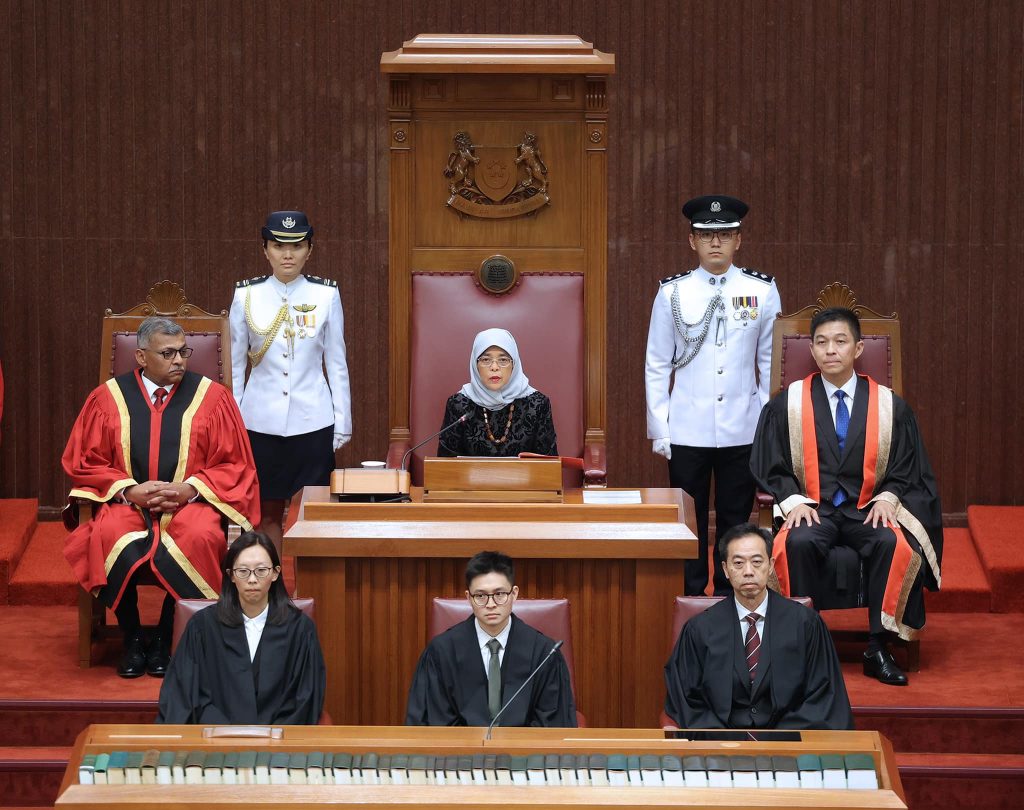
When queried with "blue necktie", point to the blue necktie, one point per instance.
{"points": [[842, 426]]}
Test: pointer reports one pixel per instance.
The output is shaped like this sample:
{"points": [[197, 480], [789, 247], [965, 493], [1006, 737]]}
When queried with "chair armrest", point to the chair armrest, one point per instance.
{"points": [[764, 500], [395, 452], [595, 468], [765, 510]]}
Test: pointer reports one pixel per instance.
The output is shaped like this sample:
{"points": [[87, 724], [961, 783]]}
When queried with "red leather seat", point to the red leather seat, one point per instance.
{"points": [[544, 313], [549, 616]]}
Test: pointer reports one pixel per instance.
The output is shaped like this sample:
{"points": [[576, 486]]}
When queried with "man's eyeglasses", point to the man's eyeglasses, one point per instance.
{"points": [[708, 236], [168, 354], [487, 362], [481, 599], [243, 573]]}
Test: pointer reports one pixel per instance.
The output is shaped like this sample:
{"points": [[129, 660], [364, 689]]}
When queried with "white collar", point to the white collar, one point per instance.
{"points": [[849, 387], [152, 386], [259, 620], [290, 287], [761, 610], [713, 280], [482, 636]]}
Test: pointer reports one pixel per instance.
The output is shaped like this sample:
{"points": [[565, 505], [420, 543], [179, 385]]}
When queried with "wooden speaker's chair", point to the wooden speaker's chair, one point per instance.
{"points": [[845, 585], [686, 607], [545, 313], [549, 616], [205, 332]]}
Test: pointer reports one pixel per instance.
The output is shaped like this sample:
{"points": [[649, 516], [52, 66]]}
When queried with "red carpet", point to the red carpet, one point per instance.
{"points": [[965, 587], [996, 531], [17, 521], [43, 576]]}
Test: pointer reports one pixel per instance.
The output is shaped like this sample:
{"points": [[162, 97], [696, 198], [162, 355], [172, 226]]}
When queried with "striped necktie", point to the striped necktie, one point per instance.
{"points": [[161, 396], [752, 644]]}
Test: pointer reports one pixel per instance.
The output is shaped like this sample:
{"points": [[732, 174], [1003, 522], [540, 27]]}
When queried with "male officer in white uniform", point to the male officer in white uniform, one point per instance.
{"points": [[711, 329], [289, 328]]}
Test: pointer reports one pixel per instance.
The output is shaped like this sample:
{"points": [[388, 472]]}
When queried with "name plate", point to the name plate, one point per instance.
{"points": [[492, 480]]}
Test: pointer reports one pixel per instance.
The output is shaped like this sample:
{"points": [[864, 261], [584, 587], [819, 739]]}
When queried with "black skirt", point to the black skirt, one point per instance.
{"points": [[286, 464]]}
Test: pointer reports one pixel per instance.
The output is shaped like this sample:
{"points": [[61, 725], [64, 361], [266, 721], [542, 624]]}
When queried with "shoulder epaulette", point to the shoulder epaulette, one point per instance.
{"points": [[747, 271], [676, 277], [327, 282], [248, 282]]}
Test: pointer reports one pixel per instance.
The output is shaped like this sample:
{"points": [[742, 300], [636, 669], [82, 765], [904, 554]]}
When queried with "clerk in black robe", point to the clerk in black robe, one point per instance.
{"points": [[797, 682], [235, 668], [505, 415], [450, 687]]}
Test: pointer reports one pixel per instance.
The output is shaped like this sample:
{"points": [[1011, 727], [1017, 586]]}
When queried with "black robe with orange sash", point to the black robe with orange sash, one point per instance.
{"points": [[796, 459], [120, 439]]}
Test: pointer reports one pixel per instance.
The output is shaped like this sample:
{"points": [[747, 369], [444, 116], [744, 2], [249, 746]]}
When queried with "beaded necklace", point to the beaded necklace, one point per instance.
{"points": [[508, 425]]}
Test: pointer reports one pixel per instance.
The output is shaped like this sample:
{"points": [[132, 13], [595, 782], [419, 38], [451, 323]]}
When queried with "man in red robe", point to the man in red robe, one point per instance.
{"points": [[164, 456], [845, 462]]}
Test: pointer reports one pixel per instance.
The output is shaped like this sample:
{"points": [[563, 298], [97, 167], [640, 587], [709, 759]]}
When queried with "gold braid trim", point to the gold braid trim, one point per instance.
{"points": [[270, 332]]}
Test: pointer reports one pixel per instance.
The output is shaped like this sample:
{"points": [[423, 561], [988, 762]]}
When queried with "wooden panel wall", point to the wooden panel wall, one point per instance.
{"points": [[878, 143]]}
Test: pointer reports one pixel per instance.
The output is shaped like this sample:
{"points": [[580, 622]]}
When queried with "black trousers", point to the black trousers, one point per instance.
{"points": [[127, 613], [807, 547], [691, 469]]}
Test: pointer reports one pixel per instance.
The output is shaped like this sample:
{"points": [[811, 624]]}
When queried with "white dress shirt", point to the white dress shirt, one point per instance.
{"points": [[151, 388], [482, 636], [849, 388], [254, 630], [761, 610]]}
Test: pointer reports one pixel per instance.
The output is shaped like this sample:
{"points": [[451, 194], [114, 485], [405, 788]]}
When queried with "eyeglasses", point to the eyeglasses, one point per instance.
{"points": [[487, 362], [243, 573], [708, 236], [168, 354], [481, 599]]}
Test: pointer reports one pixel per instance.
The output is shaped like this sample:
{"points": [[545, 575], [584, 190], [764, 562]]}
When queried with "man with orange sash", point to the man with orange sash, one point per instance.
{"points": [[845, 462], [163, 455]]}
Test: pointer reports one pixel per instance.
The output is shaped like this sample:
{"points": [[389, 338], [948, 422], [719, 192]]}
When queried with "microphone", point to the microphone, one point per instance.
{"points": [[430, 438], [508, 703]]}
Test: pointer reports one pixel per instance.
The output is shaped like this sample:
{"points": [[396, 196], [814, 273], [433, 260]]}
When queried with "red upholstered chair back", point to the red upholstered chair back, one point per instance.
{"points": [[208, 359], [687, 607], [797, 361], [205, 332], [545, 315], [549, 616], [185, 609]]}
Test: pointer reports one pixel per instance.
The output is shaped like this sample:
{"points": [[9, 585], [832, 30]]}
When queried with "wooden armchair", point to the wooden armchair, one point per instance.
{"points": [[549, 616], [207, 333], [545, 313], [881, 360]]}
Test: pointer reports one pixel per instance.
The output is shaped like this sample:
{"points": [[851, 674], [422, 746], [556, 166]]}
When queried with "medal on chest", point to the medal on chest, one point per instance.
{"points": [[305, 320], [744, 307]]}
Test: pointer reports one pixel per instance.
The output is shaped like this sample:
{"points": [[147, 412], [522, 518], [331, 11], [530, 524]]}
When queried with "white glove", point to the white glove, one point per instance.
{"points": [[663, 447], [341, 439]]}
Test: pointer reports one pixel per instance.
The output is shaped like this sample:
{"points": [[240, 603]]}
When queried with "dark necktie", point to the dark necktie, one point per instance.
{"points": [[161, 395], [494, 678], [752, 644], [842, 426]]}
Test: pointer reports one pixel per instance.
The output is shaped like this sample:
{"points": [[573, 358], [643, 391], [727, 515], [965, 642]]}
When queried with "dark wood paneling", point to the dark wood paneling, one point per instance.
{"points": [[878, 143]]}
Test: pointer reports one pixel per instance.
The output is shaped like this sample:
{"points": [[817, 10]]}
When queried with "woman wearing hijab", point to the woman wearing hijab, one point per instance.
{"points": [[506, 416]]}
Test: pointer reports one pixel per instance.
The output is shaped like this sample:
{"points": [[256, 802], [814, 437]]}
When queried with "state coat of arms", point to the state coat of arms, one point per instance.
{"points": [[496, 182]]}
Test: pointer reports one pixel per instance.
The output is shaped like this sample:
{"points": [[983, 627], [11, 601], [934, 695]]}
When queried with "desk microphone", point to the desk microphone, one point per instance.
{"points": [[508, 703], [431, 438]]}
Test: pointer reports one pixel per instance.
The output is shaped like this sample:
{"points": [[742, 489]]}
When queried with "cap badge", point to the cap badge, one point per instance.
{"points": [[288, 222], [716, 206]]}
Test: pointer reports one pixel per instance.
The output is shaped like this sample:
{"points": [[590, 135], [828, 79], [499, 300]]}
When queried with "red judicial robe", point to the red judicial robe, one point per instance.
{"points": [[121, 439]]}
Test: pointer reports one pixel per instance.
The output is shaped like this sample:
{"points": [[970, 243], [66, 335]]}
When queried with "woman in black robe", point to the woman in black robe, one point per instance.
{"points": [[505, 415], [253, 657]]}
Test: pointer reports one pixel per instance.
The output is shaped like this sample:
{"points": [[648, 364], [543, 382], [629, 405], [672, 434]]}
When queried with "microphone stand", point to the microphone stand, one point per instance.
{"points": [[501, 711], [430, 438]]}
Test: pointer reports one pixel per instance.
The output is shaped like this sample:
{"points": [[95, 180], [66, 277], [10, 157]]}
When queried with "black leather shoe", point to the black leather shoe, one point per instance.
{"points": [[158, 656], [133, 662], [882, 665]]}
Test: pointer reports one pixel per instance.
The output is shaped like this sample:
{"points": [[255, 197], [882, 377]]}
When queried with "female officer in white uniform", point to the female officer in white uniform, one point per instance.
{"points": [[288, 328]]}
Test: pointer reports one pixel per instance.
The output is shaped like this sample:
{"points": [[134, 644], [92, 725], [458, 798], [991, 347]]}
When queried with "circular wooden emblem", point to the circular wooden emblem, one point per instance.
{"points": [[498, 274]]}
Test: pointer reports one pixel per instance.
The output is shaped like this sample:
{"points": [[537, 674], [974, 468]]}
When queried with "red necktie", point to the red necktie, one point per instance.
{"points": [[752, 643], [161, 395]]}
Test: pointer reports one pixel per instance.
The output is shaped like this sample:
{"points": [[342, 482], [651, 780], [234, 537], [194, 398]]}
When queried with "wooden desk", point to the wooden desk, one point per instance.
{"points": [[374, 568], [448, 741]]}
